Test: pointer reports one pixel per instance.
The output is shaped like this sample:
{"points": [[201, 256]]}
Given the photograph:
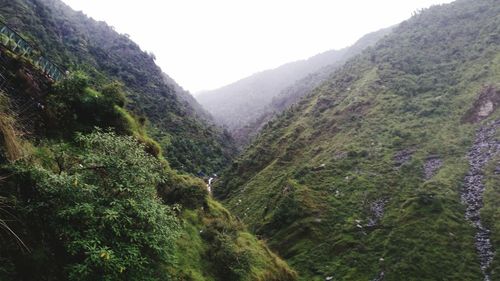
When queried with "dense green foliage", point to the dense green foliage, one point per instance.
{"points": [[216, 246], [74, 105], [77, 42], [80, 203], [90, 212], [310, 181]]}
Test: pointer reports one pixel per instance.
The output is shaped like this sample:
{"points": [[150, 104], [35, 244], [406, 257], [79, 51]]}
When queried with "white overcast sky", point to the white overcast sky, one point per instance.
{"points": [[206, 44]]}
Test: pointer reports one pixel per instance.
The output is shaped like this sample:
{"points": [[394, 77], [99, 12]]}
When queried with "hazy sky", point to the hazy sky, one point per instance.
{"points": [[206, 44]]}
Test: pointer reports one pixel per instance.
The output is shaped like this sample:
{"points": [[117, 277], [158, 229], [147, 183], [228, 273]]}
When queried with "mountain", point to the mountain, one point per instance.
{"points": [[74, 41], [252, 98], [85, 192], [188, 99], [295, 91], [389, 169]]}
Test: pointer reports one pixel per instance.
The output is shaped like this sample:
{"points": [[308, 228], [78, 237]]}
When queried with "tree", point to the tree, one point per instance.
{"points": [[103, 208]]}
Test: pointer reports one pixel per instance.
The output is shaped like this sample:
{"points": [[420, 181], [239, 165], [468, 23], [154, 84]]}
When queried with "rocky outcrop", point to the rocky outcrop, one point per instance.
{"points": [[431, 165], [484, 148], [403, 156], [377, 212], [486, 103]]}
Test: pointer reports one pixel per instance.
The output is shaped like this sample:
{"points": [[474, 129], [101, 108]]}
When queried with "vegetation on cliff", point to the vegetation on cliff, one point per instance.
{"points": [[78, 43], [364, 175], [86, 193]]}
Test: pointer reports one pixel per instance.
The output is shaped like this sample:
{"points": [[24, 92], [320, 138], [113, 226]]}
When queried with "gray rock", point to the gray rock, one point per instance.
{"points": [[497, 169], [377, 212], [484, 148], [431, 165], [403, 156]]}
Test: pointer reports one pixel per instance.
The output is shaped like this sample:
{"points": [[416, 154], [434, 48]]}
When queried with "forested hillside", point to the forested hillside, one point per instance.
{"points": [[370, 163], [249, 103], [190, 142], [85, 193], [388, 170], [290, 95]]}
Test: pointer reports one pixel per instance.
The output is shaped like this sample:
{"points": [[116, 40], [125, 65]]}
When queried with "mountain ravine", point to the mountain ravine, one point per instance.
{"points": [[248, 104], [97, 164], [387, 170], [381, 164]]}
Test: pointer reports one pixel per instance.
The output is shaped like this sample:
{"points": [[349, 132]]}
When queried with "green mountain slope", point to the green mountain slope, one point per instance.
{"points": [[76, 42], [364, 179], [245, 105], [291, 94], [82, 203]]}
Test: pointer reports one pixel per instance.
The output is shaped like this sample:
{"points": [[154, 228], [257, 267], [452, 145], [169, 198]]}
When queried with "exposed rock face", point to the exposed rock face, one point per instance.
{"points": [[403, 156], [485, 147], [377, 211], [432, 164], [486, 103], [485, 109]]}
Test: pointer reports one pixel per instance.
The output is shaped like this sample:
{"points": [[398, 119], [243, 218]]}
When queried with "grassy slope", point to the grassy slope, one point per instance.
{"points": [[409, 92], [200, 259]]}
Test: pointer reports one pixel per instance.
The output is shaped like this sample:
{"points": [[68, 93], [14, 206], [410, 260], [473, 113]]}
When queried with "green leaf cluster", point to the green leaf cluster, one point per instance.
{"points": [[93, 214]]}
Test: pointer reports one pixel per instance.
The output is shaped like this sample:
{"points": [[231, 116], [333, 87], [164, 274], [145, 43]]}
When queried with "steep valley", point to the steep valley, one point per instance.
{"points": [[376, 162], [245, 106], [94, 163], [364, 177]]}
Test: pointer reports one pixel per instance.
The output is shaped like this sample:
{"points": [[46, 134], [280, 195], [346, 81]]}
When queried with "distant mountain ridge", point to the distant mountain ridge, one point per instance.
{"points": [[249, 100], [294, 92]]}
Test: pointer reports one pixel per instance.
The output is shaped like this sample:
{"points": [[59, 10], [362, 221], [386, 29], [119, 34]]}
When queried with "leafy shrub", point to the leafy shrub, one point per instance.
{"points": [[73, 105], [114, 94], [230, 262], [183, 190], [100, 213]]}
